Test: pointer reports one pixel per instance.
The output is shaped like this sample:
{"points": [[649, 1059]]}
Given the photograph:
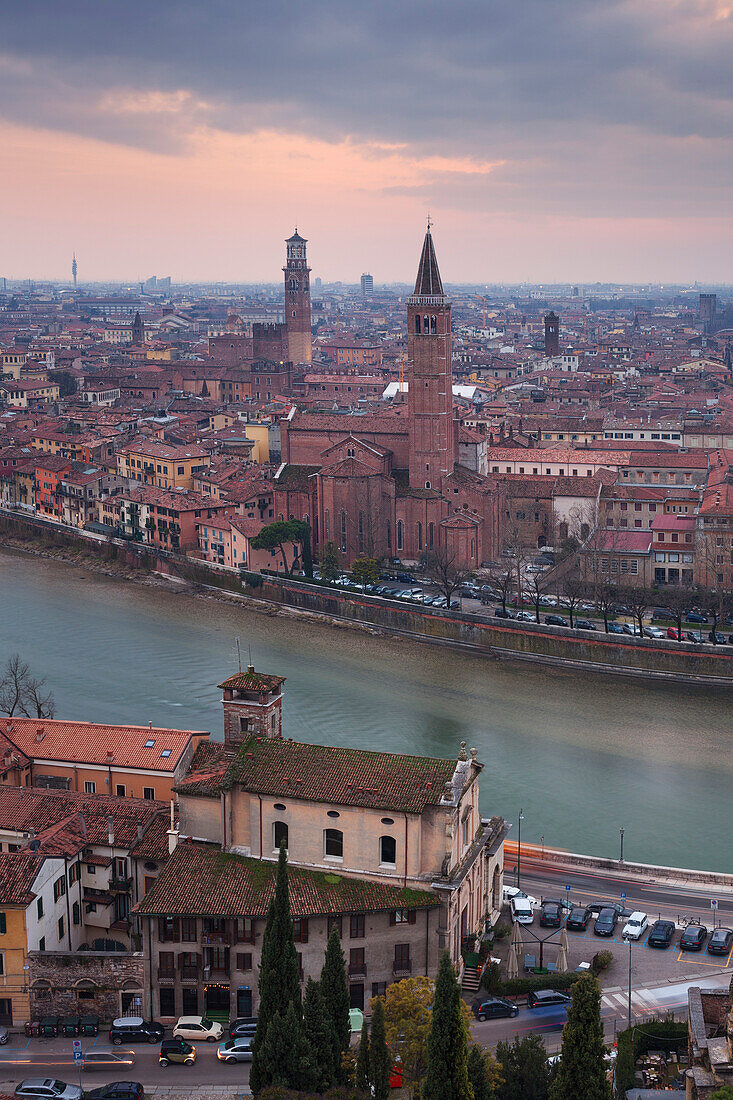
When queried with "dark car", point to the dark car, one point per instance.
{"points": [[606, 922], [500, 613], [547, 998], [615, 628], [405, 578], [695, 617], [597, 906], [489, 1008], [551, 914], [176, 1052], [118, 1090], [242, 1027], [721, 941], [661, 933], [133, 1029], [556, 620], [696, 636], [578, 918], [693, 937], [584, 624], [716, 638]]}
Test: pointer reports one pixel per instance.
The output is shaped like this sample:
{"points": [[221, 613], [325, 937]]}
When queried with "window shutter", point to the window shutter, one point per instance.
{"points": [[411, 916], [244, 960], [161, 930], [176, 930], [304, 930], [3, 924], [392, 917]]}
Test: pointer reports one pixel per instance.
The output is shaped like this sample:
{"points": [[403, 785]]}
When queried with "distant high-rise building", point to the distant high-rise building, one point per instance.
{"points": [[164, 282], [708, 307], [298, 300], [318, 282], [73, 269], [552, 334], [576, 292], [367, 285], [151, 283]]}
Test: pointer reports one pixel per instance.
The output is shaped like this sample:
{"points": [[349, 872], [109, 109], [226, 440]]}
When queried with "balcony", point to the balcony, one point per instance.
{"points": [[216, 939], [357, 970], [189, 973], [120, 885], [402, 968], [165, 974]]}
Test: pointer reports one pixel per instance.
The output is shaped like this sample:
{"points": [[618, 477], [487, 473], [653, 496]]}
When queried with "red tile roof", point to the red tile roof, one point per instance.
{"points": [[200, 879], [18, 871], [89, 743], [252, 681]]}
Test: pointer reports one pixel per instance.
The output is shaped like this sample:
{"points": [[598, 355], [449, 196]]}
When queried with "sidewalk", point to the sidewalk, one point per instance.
{"points": [[199, 1092]]}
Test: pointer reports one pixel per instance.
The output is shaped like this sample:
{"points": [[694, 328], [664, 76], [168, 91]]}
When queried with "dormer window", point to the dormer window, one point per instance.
{"points": [[149, 744]]}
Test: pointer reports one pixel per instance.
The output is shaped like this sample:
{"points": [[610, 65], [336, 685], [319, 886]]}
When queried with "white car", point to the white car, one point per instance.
{"points": [[521, 910], [512, 892], [654, 632], [198, 1027], [635, 926], [47, 1088]]}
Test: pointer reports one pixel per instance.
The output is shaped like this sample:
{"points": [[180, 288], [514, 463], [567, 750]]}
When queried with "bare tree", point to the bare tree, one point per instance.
{"points": [[574, 589], [538, 586], [23, 693], [504, 581], [676, 599], [638, 600], [606, 598], [441, 567]]}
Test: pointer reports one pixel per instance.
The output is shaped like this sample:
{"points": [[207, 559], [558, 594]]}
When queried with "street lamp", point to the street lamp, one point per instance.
{"points": [[622, 831], [629, 939], [519, 847]]}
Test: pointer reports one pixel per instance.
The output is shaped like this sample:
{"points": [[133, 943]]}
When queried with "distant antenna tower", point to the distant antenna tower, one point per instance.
{"points": [[239, 656], [74, 269]]}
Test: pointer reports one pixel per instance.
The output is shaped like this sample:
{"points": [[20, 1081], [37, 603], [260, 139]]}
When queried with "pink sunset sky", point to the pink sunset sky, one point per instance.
{"points": [[550, 140]]}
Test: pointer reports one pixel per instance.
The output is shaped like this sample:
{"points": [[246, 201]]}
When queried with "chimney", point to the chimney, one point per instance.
{"points": [[111, 831], [172, 832]]}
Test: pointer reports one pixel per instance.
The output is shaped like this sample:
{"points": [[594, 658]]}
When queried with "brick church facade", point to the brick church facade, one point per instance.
{"points": [[389, 484]]}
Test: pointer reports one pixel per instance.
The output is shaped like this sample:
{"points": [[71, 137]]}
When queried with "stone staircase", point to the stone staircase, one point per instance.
{"points": [[471, 981]]}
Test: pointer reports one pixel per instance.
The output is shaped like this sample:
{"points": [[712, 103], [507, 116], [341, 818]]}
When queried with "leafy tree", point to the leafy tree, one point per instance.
{"points": [[441, 567], [524, 1069], [335, 993], [446, 1077], [23, 693], [379, 1060], [365, 571], [407, 1011], [323, 1053], [483, 1073], [330, 562], [279, 983], [273, 536], [361, 1074], [300, 532], [582, 1070], [724, 1093]]}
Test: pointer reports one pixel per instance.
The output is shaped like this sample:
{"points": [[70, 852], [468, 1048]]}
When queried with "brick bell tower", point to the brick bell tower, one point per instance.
{"points": [[253, 703], [298, 301], [430, 390]]}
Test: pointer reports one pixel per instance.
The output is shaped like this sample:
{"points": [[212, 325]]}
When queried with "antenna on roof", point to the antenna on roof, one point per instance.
{"points": [[249, 651], [239, 656]]}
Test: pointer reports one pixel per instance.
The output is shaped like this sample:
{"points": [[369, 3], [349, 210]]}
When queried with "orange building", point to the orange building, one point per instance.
{"points": [[49, 470]]}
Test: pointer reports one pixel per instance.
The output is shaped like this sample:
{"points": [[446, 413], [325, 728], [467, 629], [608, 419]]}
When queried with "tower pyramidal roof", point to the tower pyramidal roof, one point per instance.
{"points": [[428, 282]]}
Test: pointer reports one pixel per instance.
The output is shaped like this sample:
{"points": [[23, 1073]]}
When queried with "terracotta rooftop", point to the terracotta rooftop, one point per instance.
{"points": [[200, 879], [18, 871], [89, 743], [252, 681]]}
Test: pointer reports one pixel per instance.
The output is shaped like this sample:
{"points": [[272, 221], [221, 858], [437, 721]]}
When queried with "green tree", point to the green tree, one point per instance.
{"points": [[524, 1070], [724, 1093], [365, 571], [407, 1011], [324, 1057], [380, 1062], [284, 1058], [446, 1077], [361, 1075], [336, 994], [582, 1069], [330, 562], [483, 1073], [279, 983], [273, 536]]}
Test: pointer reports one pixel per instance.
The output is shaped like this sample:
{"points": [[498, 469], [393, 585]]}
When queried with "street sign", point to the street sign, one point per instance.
{"points": [[623, 897], [76, 1047], [713, 903]]}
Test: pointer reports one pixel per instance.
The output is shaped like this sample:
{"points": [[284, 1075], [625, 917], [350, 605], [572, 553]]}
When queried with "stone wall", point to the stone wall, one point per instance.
{"points": [[80, 983]]}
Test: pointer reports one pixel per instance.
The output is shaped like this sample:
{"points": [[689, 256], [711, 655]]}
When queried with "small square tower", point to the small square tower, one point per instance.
{"points": [[252, 704]]}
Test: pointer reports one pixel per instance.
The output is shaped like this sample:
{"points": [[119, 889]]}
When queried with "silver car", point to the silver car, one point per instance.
{"points": [[47, 1088], [235, 1050]]}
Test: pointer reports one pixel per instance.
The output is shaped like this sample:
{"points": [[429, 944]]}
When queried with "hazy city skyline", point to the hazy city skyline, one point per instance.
{"points": [[563, 142]]}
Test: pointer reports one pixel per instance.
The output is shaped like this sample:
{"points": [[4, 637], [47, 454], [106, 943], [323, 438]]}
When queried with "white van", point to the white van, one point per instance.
{"points": [[521, 910]]}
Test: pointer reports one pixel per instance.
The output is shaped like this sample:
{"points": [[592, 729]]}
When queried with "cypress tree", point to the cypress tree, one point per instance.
{"points": [[324, 1058], [361, 1074], [284, 1057], [279, 983], [477, 1074], [582, 1070], [379, 1060], [447, 1070], [336, 994]]}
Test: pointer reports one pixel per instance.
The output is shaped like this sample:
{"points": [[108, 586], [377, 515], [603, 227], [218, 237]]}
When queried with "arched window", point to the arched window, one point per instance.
{"points": [[327, 524], [427, 486], [426, 324], [399, 534], [473, 547], [279, 836], [293, 314], [388, 533], [496, 889], [431, 533], [419, 536], [343, 531], [333, 844], [417, 323], [388, 850], [433, 324], [361, 532]]}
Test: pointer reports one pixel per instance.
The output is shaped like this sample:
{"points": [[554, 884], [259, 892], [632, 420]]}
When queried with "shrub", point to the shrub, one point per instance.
{"points": [[491, 977], [601, 961], [517, 986], [651, 1035], [502, 930]]}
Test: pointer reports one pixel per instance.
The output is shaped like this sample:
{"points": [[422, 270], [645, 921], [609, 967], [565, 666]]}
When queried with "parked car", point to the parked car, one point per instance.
{"points": [[533, 567], [198, 1027], [500, 613], [661, 933], [693, 937], [491, 1008], [695, 617], [716, 638], [514, 891], [676, 634], [584, 624], [551, 914], [578, 918], [235, 1050], [118, 1090], [597, 906], [107, 1059], [243, 1026], [721, 941], [606, 922], [615, 628], [48, 1088], [547, 998], [654, 632], [526, 617], [631, 628], [521, 910], [556, 620], [730, 639], [635, 926], [176, 1052], [133, 1029], [695, 636], [4, 1035]]}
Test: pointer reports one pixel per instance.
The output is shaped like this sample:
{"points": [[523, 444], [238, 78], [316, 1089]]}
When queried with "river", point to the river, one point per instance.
{"points": [[581, 754]]}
